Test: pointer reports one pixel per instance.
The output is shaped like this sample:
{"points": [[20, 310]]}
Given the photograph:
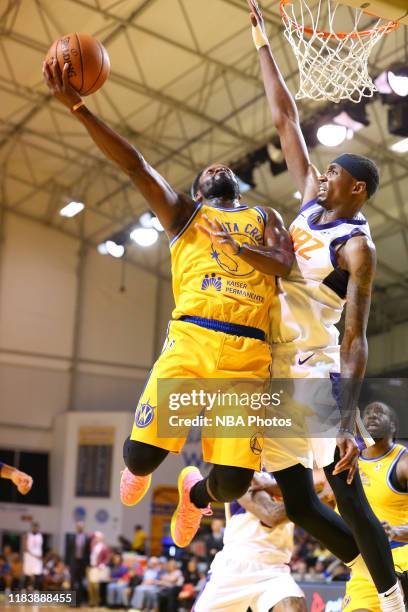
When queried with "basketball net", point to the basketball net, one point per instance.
{"points": [[333, 65]]}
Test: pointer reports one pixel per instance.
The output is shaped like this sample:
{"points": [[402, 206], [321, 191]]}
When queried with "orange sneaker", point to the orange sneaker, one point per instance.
{"points": [[133, 488], [186, 519]]}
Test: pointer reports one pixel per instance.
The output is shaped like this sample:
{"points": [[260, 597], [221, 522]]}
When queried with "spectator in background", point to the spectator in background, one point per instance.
{"points": [[146, 595], [98, 571], [171, 582], [56, 575], [125, 545], [33, 557], [7, 552], [339, 573], [299, 571], [214, 541], [139, 540], [4, 573], [191, 574], [189, 590], [135, 579], [119, 576], [77, 559], [16, 577]]}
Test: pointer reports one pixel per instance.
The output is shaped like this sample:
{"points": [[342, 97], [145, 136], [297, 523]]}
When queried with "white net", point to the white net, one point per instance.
{"points": [[333, 64]]}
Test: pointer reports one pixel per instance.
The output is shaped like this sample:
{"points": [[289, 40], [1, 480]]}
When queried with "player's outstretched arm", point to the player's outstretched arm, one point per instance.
{"points": [[284, 112], [23, 481], [275, 257], [358, 257], [172, 208]]}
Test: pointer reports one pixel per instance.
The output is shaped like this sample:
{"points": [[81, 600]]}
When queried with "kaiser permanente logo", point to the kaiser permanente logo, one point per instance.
{"points": [[211, 281]]}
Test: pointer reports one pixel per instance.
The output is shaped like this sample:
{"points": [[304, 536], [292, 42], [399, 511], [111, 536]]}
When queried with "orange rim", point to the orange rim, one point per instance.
{"points": [[386, 28]]}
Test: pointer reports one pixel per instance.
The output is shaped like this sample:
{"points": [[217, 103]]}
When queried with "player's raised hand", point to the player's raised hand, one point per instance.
{"points": [[23, 481], [59, 85], [349, 454], [217, 234], [258, 25]]}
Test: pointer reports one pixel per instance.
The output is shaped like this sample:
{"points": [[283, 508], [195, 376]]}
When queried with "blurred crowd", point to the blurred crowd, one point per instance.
{"points": [[313, 563], [127, 577]]}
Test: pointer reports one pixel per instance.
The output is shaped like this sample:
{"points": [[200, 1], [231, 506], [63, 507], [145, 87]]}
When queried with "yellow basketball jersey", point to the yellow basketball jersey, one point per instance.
{"points": [[387, 503], [209, 282]]}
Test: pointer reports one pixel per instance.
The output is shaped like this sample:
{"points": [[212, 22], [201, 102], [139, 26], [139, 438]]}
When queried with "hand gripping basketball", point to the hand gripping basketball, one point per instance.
{"points": [[59, 85]]}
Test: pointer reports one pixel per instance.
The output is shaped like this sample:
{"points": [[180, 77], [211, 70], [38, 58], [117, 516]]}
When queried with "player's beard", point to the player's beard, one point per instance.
{"points": [[222, 185]]}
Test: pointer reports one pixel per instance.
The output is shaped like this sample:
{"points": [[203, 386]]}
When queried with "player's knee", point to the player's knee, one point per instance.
{"points": [[142, 459], [229, 483]]}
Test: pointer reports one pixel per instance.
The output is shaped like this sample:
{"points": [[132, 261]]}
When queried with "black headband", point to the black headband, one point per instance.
{"points": [[362, 169]]}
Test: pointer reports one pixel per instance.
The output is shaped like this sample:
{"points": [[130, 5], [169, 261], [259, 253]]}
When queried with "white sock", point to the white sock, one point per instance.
{"points": [[359, 567], [392, 600]]}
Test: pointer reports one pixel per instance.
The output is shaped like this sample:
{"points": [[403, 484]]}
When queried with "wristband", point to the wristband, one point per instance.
{"points": [[259, 38], [77, 105]]}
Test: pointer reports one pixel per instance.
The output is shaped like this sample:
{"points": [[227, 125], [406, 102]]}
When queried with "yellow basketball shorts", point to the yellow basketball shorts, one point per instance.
{"points": [[362, 594], [192, 352]]}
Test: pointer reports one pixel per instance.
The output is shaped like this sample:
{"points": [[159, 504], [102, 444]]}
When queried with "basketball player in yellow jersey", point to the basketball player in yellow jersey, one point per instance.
{"points": [[224, 259], [384, 473]]}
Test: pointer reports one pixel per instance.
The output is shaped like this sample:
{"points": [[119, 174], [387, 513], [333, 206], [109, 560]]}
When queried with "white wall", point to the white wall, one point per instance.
{"points": [[388, 351], [39, 281]]}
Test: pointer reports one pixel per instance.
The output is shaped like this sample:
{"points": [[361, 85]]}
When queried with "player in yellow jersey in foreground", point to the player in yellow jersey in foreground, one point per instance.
{"points": [[224, 259], [384, 472]]}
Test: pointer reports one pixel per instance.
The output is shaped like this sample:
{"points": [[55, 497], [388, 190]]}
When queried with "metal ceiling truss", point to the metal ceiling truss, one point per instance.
{"points": [[181, 132]]}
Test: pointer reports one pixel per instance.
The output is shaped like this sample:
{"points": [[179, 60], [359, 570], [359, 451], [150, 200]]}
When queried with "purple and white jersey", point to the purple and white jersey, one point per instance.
{"points": [[309, 302], [245, 537]]}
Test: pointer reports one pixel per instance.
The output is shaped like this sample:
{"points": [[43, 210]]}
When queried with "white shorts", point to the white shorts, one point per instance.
{"points": [[288, 362], [234, 586]]}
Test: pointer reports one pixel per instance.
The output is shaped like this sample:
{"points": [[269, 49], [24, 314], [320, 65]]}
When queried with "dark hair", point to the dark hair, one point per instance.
{"points": [[362, 169], [195, 186]]}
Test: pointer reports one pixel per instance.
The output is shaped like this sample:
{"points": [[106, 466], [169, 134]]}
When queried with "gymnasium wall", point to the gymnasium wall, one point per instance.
{"points": [[69, 339]]}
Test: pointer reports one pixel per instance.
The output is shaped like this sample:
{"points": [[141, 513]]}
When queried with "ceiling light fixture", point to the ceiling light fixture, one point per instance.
{"points": [[72, 209], [332, 135], [144, 236]]}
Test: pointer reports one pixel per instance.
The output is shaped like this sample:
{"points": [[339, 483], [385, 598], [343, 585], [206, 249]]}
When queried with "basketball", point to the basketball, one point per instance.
{"points": [[87, 58]]}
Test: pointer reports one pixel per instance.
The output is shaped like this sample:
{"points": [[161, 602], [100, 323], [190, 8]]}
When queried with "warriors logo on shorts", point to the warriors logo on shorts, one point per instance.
{"points": [[256, 444], [144, 415]]}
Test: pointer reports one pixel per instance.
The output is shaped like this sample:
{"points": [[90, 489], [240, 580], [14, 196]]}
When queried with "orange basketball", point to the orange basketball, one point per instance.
{"points": [[88, 61]]}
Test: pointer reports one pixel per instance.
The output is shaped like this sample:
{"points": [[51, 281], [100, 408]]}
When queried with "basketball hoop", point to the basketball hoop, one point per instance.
{"points": [[333, 65]]}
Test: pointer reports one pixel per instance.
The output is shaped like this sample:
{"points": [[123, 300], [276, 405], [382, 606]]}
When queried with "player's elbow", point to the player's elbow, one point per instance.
{"points": [[283, 119], [135, 165]]}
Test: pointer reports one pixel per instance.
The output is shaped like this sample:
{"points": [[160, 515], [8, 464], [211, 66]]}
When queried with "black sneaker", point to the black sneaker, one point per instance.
{"points": [[403, 578]]}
